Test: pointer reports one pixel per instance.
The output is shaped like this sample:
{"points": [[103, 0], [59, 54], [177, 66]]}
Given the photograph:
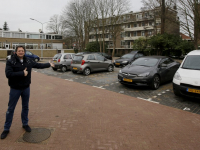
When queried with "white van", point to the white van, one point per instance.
{"points": [[186, 81]]}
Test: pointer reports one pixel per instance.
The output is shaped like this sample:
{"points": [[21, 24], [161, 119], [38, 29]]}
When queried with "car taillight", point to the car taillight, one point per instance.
{"points": [[83, 61], [72, 62], [58, 60]]}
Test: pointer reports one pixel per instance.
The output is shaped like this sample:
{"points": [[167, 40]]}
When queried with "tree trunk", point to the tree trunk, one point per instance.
{"points": [[163, 17]]}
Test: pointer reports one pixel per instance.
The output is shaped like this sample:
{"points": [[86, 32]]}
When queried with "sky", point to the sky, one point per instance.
{"points": [[17, 13]]}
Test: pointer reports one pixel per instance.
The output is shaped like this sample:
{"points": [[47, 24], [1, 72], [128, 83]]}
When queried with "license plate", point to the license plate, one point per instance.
{"points": [[117, 63], [128, 80], [193, 91], [75, 68], [55, 61]]}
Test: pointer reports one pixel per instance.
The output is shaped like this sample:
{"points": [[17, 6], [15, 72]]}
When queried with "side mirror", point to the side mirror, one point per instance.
{"points": [[163, 65]]}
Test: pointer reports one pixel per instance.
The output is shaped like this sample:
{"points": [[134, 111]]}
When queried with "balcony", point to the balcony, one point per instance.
{"points": [[132, 38], [139, 28], [126, 46], [100, 39]]}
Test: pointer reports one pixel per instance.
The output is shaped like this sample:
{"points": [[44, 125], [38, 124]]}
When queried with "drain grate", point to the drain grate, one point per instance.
{"points": [[37, 135]]}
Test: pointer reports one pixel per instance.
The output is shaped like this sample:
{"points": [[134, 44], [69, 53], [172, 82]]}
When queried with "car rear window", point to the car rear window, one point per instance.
{"points": [[57, 56], [127, 56], [192, 62], [78, 58]]}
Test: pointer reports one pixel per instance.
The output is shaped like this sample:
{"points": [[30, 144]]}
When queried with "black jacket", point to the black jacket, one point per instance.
{"points": [[15, 71]]}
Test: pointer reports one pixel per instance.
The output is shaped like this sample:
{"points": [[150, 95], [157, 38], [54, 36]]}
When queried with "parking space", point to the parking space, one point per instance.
{"points": [[108, 81]]}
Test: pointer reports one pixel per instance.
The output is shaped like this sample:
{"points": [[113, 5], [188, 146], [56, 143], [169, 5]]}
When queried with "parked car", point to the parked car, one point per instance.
{"points": [[105, 55], [62, 61], [127, 58], [148, 70], [27, 54], [186, 81], [81, 53], [88, 63]]}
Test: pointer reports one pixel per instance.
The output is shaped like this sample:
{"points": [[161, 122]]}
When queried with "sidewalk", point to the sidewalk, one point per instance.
{"points": [[87, 118]]}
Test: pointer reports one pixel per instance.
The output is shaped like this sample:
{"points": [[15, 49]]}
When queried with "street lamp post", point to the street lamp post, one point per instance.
{"points": [[42, 35]]}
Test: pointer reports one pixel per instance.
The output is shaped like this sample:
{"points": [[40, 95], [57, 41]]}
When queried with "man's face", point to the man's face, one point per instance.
{"points": [[20, 52]]}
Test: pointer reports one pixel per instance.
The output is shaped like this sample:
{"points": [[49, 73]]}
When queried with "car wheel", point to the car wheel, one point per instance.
{"points": [[55, 69], [64, 68], [74, 71], [110, 68], [36, 59], [87, 71], [156, 82]]}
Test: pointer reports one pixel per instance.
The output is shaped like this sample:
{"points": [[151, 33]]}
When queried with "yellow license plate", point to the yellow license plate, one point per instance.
{"points": [[117, 63], [75, 68], [55, 61], [128, 80], [193, 91]]}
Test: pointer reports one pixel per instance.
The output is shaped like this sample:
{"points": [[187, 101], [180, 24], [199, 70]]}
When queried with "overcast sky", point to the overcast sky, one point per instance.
{"points": [[17, 13]]}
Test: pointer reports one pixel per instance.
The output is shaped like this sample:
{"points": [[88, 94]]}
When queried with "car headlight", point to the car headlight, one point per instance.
{"points": [[144, 74], [120, 71], [177, 76], [124, 62]]}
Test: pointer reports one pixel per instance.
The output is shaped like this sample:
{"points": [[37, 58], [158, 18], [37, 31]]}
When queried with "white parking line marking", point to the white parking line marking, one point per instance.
{"points": [[121, 92], [69, 79], [186, 108], [99, 87], [154, 96], [159, 94], [168, 90], [35, 71], [163, 92], [149, 100], [117, 82]]}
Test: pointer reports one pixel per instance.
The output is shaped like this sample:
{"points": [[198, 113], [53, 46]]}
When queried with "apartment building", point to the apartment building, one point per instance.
{"points": [[134, 25], [31, 40]]}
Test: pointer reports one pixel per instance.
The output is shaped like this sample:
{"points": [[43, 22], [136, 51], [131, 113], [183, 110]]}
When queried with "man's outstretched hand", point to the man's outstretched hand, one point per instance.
{"points": [[52, 65]]}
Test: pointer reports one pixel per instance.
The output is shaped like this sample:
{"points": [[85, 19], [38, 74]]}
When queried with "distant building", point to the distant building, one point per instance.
{"points": [[31, 40], [134, 25], [185, 37]]}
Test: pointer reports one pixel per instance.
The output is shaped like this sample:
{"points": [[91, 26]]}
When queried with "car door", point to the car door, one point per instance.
{"points": [[102, 64], [172, 66], [92, 62], [67, 59], [164, 70]]}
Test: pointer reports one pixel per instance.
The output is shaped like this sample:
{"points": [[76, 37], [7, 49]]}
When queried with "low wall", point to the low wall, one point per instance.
{"points": [[46, 52]]}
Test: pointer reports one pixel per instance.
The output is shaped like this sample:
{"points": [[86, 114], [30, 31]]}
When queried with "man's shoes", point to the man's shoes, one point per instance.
{"points": [[27, 128], [4, 134]]}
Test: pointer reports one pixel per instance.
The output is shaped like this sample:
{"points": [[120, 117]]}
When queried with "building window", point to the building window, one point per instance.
{"points": [[122, 34], [150, 23], [143, 24], [150, 33], [128, 16], [135, 25], [122, 43], [143, 33], [134, 33], [27, 36]]}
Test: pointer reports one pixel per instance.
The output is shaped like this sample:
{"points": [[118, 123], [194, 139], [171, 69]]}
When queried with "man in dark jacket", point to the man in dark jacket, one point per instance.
{"points": [[18, 71]]}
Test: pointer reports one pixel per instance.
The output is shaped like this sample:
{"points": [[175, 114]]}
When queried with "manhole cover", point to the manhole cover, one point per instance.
{"points": [[37, 135]]}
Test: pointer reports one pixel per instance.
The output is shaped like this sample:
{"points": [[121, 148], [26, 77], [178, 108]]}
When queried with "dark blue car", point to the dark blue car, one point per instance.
{"points": [[27, 54]]}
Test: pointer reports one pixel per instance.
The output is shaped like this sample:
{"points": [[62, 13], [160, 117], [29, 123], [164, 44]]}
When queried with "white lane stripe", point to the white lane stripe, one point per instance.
{"points": [[69, 79], [99, 87], [149, 100], [186, 108]]}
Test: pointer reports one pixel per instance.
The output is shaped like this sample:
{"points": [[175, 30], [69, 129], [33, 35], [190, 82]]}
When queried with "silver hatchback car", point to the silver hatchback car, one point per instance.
{"points": [[62, 61], [88, 63]]}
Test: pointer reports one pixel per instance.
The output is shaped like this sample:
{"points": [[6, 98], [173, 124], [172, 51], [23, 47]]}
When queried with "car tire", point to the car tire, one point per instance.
{"points": [[36, 59], [74, 71], [87, 71], [64, 68], [155, 82], [110, 68], [55, 69]]}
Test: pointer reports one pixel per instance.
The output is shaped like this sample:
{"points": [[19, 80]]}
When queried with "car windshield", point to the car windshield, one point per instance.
{"points": [[192, 62], [73, 55], [127, 56], [149, 62], [57, 56], [78, 58]]}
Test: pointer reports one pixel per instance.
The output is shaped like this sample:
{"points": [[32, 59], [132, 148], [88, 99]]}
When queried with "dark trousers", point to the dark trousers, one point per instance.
{"points": [[13, 99]]}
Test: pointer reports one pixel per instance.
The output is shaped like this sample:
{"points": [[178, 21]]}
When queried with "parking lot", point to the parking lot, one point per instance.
{"points": [[108, 81]]}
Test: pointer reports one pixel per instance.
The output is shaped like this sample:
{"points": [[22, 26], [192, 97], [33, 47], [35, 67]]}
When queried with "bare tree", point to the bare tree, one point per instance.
{"points": [[189, 11], [163, 5], [116, 9], [55, 25], [75, 15]]}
